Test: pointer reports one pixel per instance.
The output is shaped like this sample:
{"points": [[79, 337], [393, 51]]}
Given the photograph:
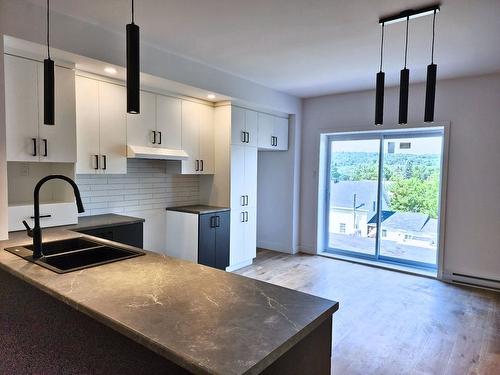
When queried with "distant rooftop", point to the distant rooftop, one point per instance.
{"points": [[342, 195]]}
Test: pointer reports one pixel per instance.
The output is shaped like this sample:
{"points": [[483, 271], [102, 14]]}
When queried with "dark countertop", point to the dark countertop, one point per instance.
{"points": [[102, 221], [198, 209], [205, 320]]}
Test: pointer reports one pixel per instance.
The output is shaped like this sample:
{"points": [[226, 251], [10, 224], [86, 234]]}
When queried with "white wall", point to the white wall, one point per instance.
{"points": [[278, 189], [25, 20], [472, 105], [3, 155]]}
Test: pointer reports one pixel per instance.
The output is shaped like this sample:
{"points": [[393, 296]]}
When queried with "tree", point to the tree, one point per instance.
{"points": [[415, 195], [335, 175]]}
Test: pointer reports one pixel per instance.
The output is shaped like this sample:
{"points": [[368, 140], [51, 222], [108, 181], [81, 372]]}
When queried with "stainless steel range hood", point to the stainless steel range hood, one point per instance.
{"points": [[141, 152]]}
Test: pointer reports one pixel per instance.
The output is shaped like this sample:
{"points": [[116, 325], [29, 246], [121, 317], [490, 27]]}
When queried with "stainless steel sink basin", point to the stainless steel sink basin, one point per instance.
{"points": [[75, 254]]}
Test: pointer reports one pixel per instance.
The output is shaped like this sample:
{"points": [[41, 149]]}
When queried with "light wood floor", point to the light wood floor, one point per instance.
{"points": [[394, 323]]}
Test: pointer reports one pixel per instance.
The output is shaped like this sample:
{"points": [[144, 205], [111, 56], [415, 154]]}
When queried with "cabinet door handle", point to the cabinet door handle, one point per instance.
{"points": [[96, 161], [246, 200], [45, 148], [242, 200], [201, 165], [159, 142], [248, 137], [154, 136], [104, 162], [272, 140], [217, 221], [243, 136], [212, 222], [197, 165], [246, 216], [34, 146], [242, 217], [276, 141]]}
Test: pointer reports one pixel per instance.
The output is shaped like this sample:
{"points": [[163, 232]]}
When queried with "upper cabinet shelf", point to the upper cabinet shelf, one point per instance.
{"points": [[28, 139]]}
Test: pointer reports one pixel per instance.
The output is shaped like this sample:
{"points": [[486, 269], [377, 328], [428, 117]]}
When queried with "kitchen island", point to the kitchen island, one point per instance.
{"points": [[166, 314]]}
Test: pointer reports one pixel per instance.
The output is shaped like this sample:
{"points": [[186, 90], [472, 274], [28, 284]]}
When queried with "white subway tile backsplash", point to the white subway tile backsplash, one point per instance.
{"points": [[145, 186]]}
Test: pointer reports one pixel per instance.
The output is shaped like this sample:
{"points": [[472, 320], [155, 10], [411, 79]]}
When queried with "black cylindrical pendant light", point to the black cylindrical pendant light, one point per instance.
{"points": [[379, 92], [404, 85], [430, 90], [48, 83], [133, 67]]}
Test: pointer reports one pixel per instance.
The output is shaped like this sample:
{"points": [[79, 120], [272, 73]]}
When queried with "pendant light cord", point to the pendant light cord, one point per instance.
{"points": [[132, 11], [48, 29], [433, 36], [382, 47], [406, 44]]}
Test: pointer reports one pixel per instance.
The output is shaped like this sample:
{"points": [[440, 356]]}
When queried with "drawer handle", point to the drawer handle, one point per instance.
{"points": [[34, 146], [41, 216]]}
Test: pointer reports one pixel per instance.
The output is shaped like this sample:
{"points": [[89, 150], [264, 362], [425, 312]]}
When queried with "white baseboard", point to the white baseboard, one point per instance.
{"points": [[308, 249], [275, 246], [237, 266], [470, 280]]}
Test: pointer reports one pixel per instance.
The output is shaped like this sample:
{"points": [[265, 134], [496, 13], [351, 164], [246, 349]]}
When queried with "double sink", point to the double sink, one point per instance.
{"points": [[75, 254]]}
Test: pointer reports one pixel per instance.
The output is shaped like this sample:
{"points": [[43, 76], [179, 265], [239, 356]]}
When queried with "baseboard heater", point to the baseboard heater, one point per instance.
{"points": [[476, 281]]}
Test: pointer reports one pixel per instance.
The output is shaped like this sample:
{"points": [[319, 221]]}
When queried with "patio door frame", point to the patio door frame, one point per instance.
{"points": [[381, 136]]}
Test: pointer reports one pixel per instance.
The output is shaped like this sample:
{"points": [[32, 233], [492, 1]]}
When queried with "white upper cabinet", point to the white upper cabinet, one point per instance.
{"points": [[190, 137], [206, 139], [244, 126], [28, 139], [168, 122], [266, 130], [273, 132], [158, 124], [238, 135], [58, 141], [101, 127], [197, 138], [21, 109], [280, 133], [112, 128], [141, 126]]}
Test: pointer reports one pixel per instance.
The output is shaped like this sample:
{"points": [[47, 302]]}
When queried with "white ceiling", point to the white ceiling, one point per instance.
{"points": [[308, 47]]}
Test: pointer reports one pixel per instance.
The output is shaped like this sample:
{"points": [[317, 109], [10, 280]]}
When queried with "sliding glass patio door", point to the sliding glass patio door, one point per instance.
{"points": [[383, 196]]}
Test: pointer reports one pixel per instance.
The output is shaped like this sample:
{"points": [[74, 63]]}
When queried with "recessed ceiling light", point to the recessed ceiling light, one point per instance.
{"points": [[211, 96], [110, 70]]}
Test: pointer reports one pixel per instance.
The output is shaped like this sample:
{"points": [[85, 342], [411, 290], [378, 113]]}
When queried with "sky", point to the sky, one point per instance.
{"points": [[418, 146]]}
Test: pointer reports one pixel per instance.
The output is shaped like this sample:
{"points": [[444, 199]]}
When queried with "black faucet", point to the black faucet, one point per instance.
{"points": [[36, 232]]}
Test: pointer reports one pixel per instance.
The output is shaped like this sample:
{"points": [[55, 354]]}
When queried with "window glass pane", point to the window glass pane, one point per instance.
{"points": [[411, 186], [353, 189]]}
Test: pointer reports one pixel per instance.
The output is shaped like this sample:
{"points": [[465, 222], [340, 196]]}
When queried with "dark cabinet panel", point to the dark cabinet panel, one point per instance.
{"points": [[206, 239], [213, 239], [222, 241], [129, 234]]}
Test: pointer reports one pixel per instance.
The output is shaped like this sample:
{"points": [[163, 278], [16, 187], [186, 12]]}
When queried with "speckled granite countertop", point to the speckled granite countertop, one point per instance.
{"points": [[198, 209], [205, 320], [102, 221]]}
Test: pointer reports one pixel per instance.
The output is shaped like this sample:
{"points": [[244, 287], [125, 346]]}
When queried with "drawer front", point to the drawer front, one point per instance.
{"points": [[60, 214]]}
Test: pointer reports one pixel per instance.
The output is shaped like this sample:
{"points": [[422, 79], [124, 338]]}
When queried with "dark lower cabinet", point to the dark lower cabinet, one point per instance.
{"points": [[213, 239], [128, 234]]}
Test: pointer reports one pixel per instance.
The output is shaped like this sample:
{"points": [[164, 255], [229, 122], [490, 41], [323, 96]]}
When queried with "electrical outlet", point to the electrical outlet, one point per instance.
{"points": [[24, 170]]}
